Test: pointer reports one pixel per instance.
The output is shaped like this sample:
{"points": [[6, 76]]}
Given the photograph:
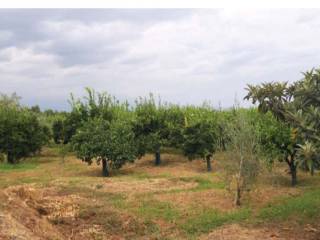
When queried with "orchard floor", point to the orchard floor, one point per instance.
{"points": [[47, 198]]}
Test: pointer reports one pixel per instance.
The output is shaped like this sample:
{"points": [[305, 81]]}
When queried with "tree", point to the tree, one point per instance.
{"points": [[94, 105], [242, 165], [279, 141], [148, 127], [58, 131], [100, 128], [280, 134], [200, 141], [201, 132], [307, 154], [297, 105], [35, 109], [20, 131], [110, 143]]}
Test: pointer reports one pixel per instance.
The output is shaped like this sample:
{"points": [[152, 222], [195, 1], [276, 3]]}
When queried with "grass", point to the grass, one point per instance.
{"points": [[305, 206], [153, 209], [23, 166], [212, 218], [203, 183], [149, 211]]}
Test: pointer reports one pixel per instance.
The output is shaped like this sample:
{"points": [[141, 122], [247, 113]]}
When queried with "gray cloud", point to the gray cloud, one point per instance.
{"points": [[185, 56]]}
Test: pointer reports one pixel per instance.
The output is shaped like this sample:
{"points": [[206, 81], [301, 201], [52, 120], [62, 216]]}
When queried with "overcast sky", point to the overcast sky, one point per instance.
{"points": [[185, 56]]}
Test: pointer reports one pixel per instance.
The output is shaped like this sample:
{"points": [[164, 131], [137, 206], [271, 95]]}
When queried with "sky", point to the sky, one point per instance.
{"points": [[185, 56]]}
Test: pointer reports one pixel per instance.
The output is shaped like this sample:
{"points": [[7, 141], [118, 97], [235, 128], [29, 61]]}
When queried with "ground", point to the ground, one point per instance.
{"points": [[47, 197]]}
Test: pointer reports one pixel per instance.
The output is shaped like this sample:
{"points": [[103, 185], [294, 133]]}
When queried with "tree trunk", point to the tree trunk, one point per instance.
{"points": [[105, 171], [10, 158], [158, 159], [223, 145], [237, 199], [293, 171], [312, 168], [238, 195], [208, 158]]}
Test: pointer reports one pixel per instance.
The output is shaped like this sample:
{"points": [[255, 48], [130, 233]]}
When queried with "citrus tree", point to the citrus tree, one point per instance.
{"points": [[108, 143], [104, 132], [21, 134], [156, 126], [200, 134]]}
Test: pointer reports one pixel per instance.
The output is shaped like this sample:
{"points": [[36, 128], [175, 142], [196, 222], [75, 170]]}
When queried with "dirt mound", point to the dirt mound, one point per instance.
{"points": [[29, 213], [40, 214]]}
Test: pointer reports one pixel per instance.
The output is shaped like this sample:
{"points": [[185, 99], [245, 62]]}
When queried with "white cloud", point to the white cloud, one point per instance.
{"points": [[206, 55]]}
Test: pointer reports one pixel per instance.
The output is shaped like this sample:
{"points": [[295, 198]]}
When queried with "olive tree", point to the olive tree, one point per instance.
{"points": [[242, 164]]}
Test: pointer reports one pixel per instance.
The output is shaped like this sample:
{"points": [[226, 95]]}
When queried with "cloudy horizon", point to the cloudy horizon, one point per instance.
{"points": [[186, 56]]}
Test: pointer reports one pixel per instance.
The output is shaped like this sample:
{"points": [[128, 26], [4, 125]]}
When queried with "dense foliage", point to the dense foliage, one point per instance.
{"points": [[296, 107], [109, 143], [200, 134], [21, 133], [103, 132], [157, 125]]}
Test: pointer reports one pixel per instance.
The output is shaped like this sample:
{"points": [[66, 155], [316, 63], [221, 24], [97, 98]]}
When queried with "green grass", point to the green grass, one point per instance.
{"points": [[306, 206], [23, 166], [153, 209], [202, 183], [211, 218]]}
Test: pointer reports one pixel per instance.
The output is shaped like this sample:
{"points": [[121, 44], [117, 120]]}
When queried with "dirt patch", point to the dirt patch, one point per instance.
{"points": [[279, 232], [237, 232]]}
